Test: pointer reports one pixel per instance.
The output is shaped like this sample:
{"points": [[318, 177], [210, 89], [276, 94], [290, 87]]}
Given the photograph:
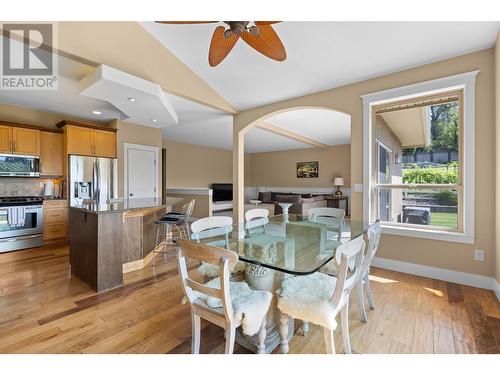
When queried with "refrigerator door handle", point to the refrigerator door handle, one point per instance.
{"points": [[94, 181]]}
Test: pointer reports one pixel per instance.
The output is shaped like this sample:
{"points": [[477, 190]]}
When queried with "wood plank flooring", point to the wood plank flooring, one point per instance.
{"points": [[44, 310]]}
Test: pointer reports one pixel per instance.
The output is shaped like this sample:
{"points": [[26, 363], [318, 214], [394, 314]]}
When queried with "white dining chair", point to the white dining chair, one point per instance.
{"points": [[373, 233], [333, 217], [213, 301], [256, 220], [318, 298], [215, 230]]}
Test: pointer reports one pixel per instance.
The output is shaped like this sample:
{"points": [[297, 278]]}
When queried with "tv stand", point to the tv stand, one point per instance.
{"points": [[222, 206]]}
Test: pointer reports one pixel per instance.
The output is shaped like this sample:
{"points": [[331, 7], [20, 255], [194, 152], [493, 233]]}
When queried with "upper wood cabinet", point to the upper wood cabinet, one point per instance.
{"points": [[90, 141], [105, 143], [19, 140], [80, 140], [5, 139], [26, 141], [51, 154]]}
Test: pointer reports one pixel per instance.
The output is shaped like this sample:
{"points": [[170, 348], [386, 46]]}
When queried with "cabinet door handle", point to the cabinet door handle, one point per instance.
{"points": [[15, 146]]}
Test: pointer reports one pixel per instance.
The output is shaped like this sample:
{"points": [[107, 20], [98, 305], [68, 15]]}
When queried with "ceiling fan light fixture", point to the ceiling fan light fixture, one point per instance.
{"points": [[254, 30], [228, 34]]}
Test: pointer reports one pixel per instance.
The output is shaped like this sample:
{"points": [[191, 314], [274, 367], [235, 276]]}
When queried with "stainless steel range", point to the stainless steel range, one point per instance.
{"points": [[21, 223]]}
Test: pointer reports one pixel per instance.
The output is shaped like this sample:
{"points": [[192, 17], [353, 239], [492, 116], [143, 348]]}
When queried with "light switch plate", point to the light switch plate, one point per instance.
{"points": [[479, 255], [358, 188]]}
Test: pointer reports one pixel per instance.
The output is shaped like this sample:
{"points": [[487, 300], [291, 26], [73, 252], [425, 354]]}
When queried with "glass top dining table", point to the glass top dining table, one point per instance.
{"points": [[293, 244]]}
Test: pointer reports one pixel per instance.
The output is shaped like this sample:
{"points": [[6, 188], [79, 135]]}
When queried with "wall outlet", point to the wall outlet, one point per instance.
{"points": [[479, 255]]}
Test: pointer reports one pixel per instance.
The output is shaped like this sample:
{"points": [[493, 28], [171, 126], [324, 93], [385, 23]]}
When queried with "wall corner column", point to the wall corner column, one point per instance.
{"points": [[238, 174]]}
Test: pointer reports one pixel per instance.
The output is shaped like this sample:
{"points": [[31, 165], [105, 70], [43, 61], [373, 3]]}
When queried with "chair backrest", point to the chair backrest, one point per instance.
{"points": [[212, 226], [187, 209], [256, 218], [316, 212], [223, 258], [344, 255], [374, 232]]}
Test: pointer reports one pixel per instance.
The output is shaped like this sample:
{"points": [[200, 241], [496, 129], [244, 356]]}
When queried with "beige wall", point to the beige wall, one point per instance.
{"points": [[279, 168], [347, 99], [497, 148], [136, 134], [193, 166]]}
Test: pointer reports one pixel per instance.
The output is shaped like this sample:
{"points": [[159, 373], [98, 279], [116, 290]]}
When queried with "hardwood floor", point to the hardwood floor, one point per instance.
{"points": [[44, 310]]}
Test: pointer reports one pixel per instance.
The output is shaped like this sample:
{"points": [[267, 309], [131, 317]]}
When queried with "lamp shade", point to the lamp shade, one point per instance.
{"points": [[338, 181]]}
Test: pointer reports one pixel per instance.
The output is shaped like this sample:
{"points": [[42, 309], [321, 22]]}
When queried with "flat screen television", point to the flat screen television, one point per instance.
{"points": [[222, 192]]}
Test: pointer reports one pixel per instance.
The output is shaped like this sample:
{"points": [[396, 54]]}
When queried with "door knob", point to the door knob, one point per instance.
{"points": [[131, 194]]}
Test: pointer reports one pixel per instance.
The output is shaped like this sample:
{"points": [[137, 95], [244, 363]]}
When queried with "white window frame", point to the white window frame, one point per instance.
{"points": [[466, 83]]}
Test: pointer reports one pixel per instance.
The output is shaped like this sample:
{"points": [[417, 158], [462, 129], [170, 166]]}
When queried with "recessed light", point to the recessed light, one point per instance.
{"points": [[339, 138], [154, 120], [131, 99], [97, 112]]}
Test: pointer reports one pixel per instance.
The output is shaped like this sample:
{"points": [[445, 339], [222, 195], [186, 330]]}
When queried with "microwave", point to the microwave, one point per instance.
{"points": [[19, 165]]}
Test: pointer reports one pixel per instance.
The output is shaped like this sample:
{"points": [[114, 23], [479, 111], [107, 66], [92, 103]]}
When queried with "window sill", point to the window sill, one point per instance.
{"points": [[428, 234]]}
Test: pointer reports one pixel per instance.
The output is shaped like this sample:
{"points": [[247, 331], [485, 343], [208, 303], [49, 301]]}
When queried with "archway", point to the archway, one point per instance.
{"points": [[242, 124]]}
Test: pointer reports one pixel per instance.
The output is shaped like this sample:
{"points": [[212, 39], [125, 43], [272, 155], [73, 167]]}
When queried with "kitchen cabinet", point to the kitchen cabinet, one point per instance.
{"points": [[104, 143], [90, 141], [55, 220], [51, 154], [5, 139], [19, 140]]}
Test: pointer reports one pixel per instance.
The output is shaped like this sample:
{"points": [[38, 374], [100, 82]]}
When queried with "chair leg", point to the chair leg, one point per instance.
{"points": [[344, 317], [262, 338], [230, 337], [284, 333], [196, 332], [329, 340], [361, 301], [368, 291], [305, 328]]}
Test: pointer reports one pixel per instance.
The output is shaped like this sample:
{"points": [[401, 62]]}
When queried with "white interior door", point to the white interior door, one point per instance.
{"points": [[142, 177]]}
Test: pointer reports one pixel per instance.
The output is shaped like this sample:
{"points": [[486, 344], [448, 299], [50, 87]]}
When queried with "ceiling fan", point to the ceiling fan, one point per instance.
{"points": [[259, 35]]}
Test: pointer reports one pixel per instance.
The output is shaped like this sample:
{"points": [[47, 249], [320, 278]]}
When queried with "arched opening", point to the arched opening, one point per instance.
{"points": [[298, 150]]}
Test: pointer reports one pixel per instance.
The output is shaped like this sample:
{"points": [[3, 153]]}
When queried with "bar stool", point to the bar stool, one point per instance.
{"points": [[169, 222]]}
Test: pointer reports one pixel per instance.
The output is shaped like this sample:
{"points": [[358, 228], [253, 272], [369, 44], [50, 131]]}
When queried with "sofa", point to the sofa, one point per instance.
{"points": [[301, 203]]}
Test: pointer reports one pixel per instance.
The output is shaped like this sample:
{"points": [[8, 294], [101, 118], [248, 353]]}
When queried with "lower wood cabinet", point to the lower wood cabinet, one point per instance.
{"points": [[55, 220]]}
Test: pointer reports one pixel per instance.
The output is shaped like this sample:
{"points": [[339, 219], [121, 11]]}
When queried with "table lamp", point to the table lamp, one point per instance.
{"points": [[338, 181]]}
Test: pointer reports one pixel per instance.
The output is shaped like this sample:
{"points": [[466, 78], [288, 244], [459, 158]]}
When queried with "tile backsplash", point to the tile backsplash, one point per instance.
{"points": [[11, 187]]}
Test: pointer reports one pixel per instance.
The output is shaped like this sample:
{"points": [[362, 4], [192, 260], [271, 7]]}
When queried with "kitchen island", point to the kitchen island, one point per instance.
{"points": [[106, 240]]}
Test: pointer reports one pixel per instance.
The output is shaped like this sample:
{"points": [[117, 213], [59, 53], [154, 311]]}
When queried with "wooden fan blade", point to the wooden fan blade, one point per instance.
{"points": [[267, 42], [262, 23], [184, 22], [220, 46]]}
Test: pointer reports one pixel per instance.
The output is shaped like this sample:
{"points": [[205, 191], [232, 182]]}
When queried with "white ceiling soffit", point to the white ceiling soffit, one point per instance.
{"points": [[323, 125], [142, 101], [320, 55], [410, 126]]}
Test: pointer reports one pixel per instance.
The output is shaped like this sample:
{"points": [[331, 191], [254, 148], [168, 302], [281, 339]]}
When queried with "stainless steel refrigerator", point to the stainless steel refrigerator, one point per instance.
{"points": [[92, 180]]}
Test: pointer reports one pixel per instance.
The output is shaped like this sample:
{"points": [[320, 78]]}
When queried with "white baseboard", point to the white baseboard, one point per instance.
{"points": [[457, 277]]}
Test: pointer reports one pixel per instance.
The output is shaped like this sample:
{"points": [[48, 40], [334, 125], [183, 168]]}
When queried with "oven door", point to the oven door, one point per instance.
{"points": [[33, 222], [19, 166]]}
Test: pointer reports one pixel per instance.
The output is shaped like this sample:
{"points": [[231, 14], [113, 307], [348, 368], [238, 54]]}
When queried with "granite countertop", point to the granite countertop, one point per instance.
{"points": [[128, 205]]}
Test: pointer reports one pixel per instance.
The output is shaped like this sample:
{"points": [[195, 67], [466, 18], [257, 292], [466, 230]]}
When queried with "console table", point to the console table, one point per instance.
{"points": [[333, 201]]}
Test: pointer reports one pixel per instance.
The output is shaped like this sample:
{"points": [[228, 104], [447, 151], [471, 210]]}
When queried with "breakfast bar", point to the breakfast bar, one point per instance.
{"points": [[107, 240]]}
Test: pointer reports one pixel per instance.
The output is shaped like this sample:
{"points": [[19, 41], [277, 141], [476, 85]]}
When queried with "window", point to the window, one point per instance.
{"points": [[419, 168]]}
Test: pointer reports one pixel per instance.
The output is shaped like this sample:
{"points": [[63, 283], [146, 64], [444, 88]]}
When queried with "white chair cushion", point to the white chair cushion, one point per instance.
{"points": [[308, 298], [250, 306], [212, 271]]}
